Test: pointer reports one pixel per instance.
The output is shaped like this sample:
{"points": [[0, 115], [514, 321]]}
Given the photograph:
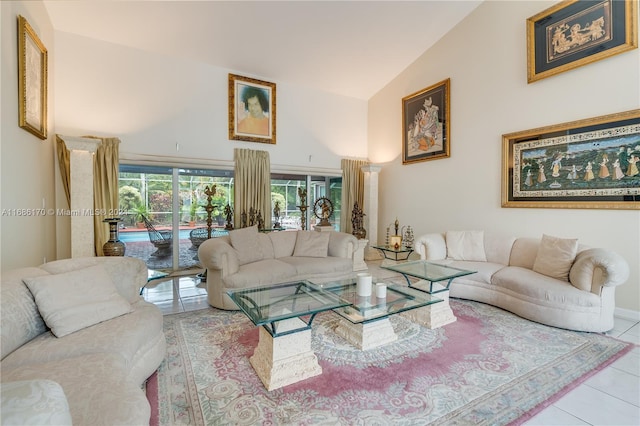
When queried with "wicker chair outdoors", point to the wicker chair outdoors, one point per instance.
{"points": [[162, 240]]}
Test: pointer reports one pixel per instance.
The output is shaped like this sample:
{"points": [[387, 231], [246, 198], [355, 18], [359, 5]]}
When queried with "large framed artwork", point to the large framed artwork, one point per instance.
{"points": [[32, 80], [589, 164], [577, 32], [425, 124], [252, 110]]}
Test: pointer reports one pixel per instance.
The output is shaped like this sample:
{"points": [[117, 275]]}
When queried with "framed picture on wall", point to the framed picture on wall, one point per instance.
{"points": [[32, 80], [577, 32], [252, 110], [426, 123], [586, 164]]}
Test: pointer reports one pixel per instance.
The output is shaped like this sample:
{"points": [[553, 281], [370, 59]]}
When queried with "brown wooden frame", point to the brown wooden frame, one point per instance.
{"points": [[237, 108]]}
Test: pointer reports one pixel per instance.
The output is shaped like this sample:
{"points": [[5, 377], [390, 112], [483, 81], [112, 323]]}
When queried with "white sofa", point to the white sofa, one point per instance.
{"points": [[549, 280], [93, 373], [248, 258]]}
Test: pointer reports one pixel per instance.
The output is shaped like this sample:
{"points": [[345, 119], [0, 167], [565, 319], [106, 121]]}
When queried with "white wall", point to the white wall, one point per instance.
{"points": [[485, 57], [27, 161], [151, 102]]}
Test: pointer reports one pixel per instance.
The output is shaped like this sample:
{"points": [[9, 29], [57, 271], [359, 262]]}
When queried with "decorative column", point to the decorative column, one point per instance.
{"points": [[81, 151], [370, 208]]}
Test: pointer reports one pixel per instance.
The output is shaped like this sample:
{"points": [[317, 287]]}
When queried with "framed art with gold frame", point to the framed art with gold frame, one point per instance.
{"points": [[252, 110], [425, 124], [32, 80], [573, 33], [586, 164]]}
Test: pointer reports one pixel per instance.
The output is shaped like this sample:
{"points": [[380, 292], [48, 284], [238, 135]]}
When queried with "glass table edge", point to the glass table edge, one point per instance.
{"points": [[338, 302], [397, 268], [397, 288]]}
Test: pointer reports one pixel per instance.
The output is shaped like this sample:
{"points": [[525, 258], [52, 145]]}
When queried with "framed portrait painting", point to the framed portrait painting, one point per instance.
{"points": [[252, 110], [32, 80], [589, 164], [426, 123], [577, 32]]}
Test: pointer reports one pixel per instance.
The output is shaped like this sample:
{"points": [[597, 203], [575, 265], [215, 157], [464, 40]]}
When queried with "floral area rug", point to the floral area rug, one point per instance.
{"points": [[488, 367]]}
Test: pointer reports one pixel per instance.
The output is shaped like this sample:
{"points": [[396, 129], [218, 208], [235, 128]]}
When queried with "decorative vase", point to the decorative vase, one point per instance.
{"points": [[113, 247]]}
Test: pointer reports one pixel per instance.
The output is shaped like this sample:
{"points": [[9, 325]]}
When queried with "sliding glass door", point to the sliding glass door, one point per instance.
{"points": [[166, 218]]}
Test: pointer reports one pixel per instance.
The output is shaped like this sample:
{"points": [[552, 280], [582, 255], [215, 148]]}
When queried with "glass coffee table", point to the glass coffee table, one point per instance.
{"points": [[283, 355], [365, 321], [430, 278]]}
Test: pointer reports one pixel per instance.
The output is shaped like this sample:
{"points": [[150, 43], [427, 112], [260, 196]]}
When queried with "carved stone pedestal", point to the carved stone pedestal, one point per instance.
{"points": [[283, 360], [435, 315], [323, 228], [367, 335], [358, 256]]}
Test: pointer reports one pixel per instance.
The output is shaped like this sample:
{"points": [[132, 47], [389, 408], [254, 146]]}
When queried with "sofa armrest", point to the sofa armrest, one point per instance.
{"points": [[596, 267], [342, 244], [31, 402], [431, 247], [217, 254]]}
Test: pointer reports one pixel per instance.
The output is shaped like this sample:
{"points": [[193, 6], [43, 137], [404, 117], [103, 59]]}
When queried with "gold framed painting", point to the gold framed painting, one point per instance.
{"points": [[32, 80], [252, 110], [425, 124], [573, 33], [586, 164]]}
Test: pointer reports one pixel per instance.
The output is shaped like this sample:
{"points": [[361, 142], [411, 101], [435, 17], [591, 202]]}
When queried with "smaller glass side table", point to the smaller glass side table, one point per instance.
{"points": [[432, 277], [399, 254]]}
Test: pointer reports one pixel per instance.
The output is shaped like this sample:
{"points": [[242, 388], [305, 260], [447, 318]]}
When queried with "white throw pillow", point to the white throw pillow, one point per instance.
{"points": [[74, 300], [312, 244], [555, 257], [245, 241], [466, 245]]}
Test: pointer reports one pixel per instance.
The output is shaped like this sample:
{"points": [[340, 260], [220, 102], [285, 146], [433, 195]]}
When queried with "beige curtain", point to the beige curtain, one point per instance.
{"points": [[105, 183], [64, 160], [352, 190], [252, 187], [105, 188]]}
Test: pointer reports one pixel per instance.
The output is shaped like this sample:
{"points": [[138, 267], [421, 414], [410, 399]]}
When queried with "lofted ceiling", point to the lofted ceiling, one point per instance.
{"points": [[352, 48]]}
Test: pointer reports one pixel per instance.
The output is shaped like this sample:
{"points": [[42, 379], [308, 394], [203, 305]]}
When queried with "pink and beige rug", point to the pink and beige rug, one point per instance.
{"points": [[489, 367]]}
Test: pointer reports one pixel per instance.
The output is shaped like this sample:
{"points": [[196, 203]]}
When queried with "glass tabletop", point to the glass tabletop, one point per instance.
{"points": [[429, 271], [363, 309], [270, 304]]}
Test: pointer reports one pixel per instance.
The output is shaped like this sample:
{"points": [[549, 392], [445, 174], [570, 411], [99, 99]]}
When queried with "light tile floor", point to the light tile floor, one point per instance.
{"points": [[610, 397]]}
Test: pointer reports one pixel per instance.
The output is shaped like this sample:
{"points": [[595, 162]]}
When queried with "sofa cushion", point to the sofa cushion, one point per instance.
{"points": [[283, 243], [555, 257], [68, 304], [465, 245], [484, 270], [266, 246], [305, 266], [541, 289], [312, 244], [127, 273], [245, 242], [262, 272]]}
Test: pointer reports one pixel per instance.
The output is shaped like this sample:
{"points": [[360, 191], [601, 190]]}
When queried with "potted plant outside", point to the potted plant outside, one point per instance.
{"points": [[139, 211]]}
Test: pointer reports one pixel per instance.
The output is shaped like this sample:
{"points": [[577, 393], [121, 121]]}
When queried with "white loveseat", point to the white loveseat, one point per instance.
{"points": [[248, 258], [78, 343], [549, 280]]}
